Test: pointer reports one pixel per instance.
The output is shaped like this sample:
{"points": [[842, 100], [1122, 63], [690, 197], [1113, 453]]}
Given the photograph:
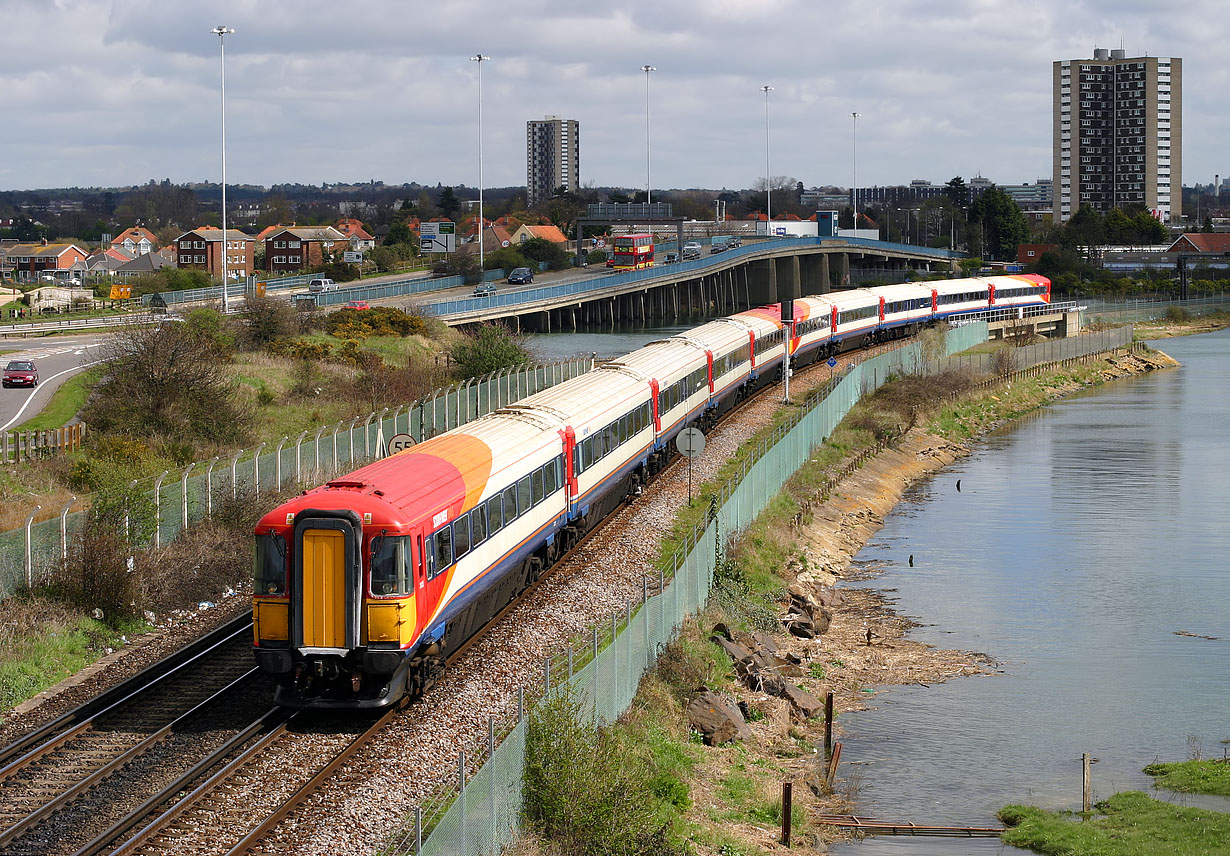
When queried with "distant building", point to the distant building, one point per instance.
{"points": [[136, 241], [547, 233], [360, 240], [552, 157], [201, 249], [28, 261], [301, 247], [1118, 134]]}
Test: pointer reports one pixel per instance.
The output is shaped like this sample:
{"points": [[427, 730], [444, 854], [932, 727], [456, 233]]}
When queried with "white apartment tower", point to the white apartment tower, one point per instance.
{"points": [[552, 157], [1118, 134]]}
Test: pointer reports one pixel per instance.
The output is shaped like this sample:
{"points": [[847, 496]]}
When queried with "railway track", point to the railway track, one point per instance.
{"points": [[63, 782]]}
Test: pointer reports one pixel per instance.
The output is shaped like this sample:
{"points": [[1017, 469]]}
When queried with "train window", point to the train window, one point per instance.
{"points": [[269, 564], [537, 486], [510, 505], [461, 536], [495, 514], [523, 494], [390, 569], [550, 477], [478, 526], [443, 540]]}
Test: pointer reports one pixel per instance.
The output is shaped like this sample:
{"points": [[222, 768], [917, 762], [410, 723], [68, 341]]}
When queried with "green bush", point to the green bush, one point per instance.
{"points": [[590, 792], [506, 258], [490, 348]]}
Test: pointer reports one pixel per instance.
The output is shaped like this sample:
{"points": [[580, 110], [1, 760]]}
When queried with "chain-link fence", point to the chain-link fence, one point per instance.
{"points": [[1128, 311], [313, 457], [478, 811]]}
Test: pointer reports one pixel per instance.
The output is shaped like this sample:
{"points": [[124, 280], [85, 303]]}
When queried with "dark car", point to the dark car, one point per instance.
{"points": [[717, 248], [670, 258], [484, 289], [690, 253], [521, 276], [734, 242], [20, 373]]}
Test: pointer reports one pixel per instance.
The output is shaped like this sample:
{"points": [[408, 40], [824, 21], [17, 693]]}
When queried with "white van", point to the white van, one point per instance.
{"points": [[317, 286]]}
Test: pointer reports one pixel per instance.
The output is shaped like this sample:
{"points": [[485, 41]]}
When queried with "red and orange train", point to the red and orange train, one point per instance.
{"points": [[364, 585]]}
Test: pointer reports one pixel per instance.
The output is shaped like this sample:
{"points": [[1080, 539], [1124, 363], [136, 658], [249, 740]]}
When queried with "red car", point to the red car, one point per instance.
{"points": [[20, 373], [357, 304]]}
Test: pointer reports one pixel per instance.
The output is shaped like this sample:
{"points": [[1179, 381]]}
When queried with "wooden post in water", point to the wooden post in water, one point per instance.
{"points": [[786, 807], [1086, 786], [828, 725]]}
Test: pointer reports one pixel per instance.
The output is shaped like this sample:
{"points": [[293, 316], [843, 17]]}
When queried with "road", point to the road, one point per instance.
{"points": [[58, 359]]}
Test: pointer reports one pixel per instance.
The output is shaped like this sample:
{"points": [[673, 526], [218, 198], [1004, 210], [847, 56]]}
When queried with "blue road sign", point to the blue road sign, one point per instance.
{"points": [[832, 362]]}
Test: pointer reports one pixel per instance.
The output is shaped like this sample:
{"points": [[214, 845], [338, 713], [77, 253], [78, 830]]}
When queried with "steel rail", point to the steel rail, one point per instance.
{"points": [[81, 717], [93, 779], [274, 717]]}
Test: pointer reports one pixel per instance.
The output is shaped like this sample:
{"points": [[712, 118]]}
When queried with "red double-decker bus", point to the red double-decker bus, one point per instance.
{"points": [[633, 252]]}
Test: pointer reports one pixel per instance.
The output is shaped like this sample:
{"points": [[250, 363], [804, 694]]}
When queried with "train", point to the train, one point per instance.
{"points": [[365, 585]]}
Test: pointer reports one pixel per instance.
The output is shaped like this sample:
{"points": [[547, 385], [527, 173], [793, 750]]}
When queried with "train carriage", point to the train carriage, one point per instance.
{"points": [[364, 585]]}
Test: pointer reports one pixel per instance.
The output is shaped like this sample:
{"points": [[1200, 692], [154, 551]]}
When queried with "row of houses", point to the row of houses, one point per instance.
{"points": [[135, 252]]}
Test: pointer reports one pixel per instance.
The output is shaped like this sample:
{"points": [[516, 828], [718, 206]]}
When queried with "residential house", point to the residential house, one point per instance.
{"points": [[549, 233], [360, 240], [136, 241], [29, 261], [106, 261], [142, 265], [201, 249], [301, 247], [1201, 242]]}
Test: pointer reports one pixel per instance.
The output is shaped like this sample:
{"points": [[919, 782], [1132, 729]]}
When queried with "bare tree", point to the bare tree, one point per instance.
{"points": [[166, 380]]}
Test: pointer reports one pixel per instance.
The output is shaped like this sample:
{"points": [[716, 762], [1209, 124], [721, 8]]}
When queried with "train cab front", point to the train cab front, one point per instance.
{"points": [[307, 616]]}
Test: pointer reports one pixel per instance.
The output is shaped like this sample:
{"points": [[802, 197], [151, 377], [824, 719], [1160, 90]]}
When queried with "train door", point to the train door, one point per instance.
{"points": [[423, 563], [328, 576]]}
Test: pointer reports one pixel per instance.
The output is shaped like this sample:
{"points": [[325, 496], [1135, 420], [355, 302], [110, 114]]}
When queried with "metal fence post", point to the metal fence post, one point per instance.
{"points": [[277, 464], [157, 511], [183, 489], [209, 488], [235, 475], [256, 468], [64, 526], [316, 453], [29, 550], [299, 458]]}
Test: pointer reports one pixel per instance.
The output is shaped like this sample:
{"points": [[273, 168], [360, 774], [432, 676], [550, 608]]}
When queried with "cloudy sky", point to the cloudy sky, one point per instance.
{"points": [[117, 92]]}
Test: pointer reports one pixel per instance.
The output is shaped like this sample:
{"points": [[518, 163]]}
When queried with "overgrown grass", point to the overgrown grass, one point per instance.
{"points": [[42, 642], [1127, 824], [65, 402], [1193, 777]]}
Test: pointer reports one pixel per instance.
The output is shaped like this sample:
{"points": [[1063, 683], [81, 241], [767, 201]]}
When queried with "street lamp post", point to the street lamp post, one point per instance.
{"points": [[482, 271], [222, 33], [854, 164], [768, 172], [648, 192]]}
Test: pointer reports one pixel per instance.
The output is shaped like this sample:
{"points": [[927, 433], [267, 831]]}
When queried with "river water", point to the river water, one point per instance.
{"points": [[1081, 541]]}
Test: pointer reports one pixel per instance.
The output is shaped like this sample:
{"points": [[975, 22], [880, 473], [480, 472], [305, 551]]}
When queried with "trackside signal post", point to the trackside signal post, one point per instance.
{"points": [[788, 329]]}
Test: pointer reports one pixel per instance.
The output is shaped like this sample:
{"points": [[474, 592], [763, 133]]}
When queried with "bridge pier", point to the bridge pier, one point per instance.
{"points": [[812, 275], [843, 270], [762, 276]]}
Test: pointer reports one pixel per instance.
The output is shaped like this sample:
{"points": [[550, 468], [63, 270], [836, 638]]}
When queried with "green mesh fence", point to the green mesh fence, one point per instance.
{"points": [[483, 816], [185, 497]]}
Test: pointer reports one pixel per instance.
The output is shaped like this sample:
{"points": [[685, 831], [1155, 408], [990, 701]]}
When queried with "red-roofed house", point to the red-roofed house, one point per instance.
{"points": [[547, 233], [269, 230], [359, 238], [136, 241], [29, 260], [1201, 242]]}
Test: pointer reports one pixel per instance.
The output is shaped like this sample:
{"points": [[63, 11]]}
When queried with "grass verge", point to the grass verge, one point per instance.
{"points": [[66, 402], [1193, 777], [1127, 824], [42, 642]]}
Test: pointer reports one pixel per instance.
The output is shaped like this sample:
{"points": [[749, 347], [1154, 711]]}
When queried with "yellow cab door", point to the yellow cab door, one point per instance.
{"points": [[324, 588]]}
